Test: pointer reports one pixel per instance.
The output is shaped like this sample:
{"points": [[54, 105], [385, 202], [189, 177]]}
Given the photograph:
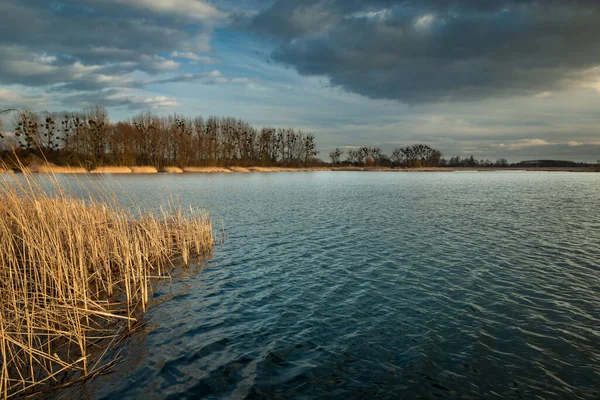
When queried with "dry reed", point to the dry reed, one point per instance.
{"points": [[172, 170], [54, 169], [75, 276], [144, 170], [206, 169], [239, 169], [111, 170]]}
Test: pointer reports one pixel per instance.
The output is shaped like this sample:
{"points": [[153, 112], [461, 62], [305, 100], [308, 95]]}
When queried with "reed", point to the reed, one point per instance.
{"points": [[53, 169], [172, 170], [112, 170], [75, 276], [206, 169], [239, 169], [144, 170]]}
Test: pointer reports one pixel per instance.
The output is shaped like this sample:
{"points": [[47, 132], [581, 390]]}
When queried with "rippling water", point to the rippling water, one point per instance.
{"points": [[377, 285]]}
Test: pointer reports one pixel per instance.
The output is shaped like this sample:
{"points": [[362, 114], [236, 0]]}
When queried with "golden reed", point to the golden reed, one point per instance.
{"points": [[76, 275]]}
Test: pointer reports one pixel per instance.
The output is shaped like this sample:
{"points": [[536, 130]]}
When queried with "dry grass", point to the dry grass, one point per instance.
{"points": [[74, 275], [206, 169], [144, 170], [112, 170], [239, 169], [5, 170], [172, 170], [288, 169], [267, 169], [53, 169]]}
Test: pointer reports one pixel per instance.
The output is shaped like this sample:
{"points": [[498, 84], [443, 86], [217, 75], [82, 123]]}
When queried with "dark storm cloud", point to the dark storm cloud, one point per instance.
{"points": [[89, 45], [434, 50]]}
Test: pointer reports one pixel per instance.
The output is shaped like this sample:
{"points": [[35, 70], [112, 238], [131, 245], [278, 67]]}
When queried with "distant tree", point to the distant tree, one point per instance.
{"points": [[265, 145], [50, 139], [27, 129], [384, 161], [335, 156], [471, 162], [360, 156], [147, 139], [417, 155], [398, 156], [310, 148], [501, 162], [181, 129], [353, 157], [433, 158], [95, 127], [455, 162]]}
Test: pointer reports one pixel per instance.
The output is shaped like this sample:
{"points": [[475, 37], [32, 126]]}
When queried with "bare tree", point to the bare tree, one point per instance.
{"points": [[335, 156], [27, 129]]}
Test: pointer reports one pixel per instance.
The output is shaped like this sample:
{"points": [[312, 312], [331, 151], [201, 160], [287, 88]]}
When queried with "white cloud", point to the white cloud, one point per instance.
{"points": [[525, 143], [381, 14], [158, 101], [574, 144], [193, 9], [16, 99], [45, 59], [159, 63], [193, 57], [424, 22], [126, 98]]}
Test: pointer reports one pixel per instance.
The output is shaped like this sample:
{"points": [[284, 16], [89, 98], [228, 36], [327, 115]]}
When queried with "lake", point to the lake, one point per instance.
{"points": [[376, 285]]}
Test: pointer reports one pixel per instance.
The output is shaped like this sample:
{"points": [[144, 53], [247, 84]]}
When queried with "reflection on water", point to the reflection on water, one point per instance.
{"points": [[377, 285]]}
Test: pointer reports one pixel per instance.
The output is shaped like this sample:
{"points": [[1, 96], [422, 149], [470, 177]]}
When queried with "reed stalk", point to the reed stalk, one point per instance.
{"points": [[75, 276]]}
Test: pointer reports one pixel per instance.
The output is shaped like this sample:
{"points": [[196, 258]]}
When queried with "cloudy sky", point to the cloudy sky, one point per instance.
{"points": [[515, 79]]}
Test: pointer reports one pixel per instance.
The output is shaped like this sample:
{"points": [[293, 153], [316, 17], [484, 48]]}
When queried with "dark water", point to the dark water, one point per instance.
{"points": [[377, 285]]}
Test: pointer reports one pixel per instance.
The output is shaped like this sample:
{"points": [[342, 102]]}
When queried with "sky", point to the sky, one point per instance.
{"points": [[496, 79]]}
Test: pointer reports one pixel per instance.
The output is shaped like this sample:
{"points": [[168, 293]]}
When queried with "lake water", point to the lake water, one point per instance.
{"points": [[377, 285]]}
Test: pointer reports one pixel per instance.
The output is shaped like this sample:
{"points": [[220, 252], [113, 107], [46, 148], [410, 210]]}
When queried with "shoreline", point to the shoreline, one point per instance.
{"points": [[52, 169]]}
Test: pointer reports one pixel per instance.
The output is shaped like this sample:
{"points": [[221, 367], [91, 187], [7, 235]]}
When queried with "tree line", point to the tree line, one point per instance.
{"points": [[89, 138], [417, 155], [413, 156]]}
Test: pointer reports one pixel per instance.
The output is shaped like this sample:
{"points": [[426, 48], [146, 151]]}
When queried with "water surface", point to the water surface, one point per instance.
{"points": [[377, 285]]}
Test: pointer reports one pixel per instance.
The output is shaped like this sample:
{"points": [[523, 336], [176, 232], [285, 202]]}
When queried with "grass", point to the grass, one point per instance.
{"points": [[144, 170], [172, 170], [112, 170], [76, 275]]}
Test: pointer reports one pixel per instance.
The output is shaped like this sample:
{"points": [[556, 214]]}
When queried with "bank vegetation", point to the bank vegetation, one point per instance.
{"points": [[89, 139], [76, 276]]}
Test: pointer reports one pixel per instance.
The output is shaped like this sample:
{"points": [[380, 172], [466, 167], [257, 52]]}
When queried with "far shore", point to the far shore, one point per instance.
{"points": [[52, 169]]}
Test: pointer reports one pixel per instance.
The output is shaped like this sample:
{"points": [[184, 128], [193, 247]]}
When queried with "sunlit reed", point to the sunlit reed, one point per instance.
{"points": [[75, 275]]}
